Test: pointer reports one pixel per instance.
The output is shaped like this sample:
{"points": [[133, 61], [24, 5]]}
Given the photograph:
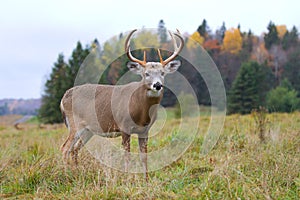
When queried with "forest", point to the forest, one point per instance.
{"points": [[257, 70]]}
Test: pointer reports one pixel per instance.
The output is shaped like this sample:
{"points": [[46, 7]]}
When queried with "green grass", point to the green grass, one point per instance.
{"points": [[239, 167]]}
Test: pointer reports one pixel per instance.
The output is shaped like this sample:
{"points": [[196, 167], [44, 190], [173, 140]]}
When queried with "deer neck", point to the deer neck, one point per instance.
{"points": [[143, 95], [142, 107]]}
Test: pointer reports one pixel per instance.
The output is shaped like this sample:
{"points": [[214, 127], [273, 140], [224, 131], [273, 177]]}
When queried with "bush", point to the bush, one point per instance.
{"points": [[283, 99]]}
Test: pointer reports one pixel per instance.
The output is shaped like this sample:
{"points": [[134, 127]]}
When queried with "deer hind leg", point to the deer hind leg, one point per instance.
{"points": [[66, 145], [143, 143], [126, 146], [81, 138], [69, 121]]}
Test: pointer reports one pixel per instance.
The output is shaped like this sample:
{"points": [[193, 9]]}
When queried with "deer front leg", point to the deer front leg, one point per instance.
{"points": [[143, 141], [126, 146]]}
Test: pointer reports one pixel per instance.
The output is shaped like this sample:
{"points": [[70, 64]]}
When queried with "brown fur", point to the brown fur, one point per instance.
{"points": [[103, 108]]}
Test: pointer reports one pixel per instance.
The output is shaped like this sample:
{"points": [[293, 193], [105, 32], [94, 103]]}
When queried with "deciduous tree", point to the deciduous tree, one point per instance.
{"points": [[232, 42], [195, 40]]}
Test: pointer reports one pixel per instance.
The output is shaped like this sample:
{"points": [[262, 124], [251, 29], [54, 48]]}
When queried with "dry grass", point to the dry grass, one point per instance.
{"points": [[8, 120], [239, 167]]}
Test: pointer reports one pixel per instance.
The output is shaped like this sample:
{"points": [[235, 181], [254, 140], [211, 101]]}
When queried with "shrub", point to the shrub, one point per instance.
{"points": [[283, 99]]}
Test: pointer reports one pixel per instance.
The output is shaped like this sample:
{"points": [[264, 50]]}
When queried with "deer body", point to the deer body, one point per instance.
{"points": [[112, 111]]}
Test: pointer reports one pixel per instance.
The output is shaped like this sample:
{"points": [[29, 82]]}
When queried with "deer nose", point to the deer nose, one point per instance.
{"points": [[157, 86]]}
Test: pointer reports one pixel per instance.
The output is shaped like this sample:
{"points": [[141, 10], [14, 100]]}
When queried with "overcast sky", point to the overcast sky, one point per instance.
{"points": [[34, 32]]}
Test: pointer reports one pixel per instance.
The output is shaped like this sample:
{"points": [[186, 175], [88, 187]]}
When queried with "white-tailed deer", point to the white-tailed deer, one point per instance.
{"points": [[122, 110]]}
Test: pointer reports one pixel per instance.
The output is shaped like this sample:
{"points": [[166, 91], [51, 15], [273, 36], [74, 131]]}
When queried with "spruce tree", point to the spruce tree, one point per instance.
{"points": [[55, 88], [61, 79], [203, 29], [271, 38], [290, 39], [76, 60], [223, 30], [249, 88]]}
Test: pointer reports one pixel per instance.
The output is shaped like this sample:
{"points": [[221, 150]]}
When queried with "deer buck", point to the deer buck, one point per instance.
{"points": [[111, 111]]}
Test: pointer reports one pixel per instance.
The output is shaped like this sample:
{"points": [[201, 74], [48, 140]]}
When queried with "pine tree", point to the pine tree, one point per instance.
{"points": [[162, 32], [55, 88], [249, 88]]}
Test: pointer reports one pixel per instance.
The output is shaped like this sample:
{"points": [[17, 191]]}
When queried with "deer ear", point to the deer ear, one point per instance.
{"points": [[172, 66], [135, 67]]}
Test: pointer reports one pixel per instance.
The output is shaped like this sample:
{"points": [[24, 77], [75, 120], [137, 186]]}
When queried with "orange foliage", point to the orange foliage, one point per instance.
{"points": [[232, 41], [260, 53], [212, 45]]}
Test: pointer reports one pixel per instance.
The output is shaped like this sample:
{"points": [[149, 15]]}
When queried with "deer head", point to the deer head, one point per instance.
{"points": [[153, 73]]}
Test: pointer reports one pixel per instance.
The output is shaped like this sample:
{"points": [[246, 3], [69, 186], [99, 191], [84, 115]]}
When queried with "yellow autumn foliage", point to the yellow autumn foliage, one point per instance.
{"points": [[194, 40], [281, 30], [232, 41]]}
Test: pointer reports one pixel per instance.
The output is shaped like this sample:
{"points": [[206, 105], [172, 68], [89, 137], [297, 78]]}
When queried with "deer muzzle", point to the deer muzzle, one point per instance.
{"points": [[158, 86]]}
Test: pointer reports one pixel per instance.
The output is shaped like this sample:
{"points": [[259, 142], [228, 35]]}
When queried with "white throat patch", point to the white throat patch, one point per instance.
{"points": [[152, 93]]}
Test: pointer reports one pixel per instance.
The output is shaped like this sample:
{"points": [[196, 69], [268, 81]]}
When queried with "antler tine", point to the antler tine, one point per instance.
{"points": [[127, 50], [177, 49], [159, 55], [174, 41]]}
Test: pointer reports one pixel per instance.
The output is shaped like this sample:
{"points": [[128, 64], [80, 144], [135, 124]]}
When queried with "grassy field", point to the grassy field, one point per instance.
{"points": [[239, 167]]}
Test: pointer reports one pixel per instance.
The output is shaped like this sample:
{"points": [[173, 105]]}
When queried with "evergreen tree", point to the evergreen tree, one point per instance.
{"points": [[203, 29], [91, 66], [247, 46], [61, 79], [55, 88], [291, 69], [223, 30], [271, 38], [162, 32], [220, 33], [290, 39], [248, 90], [76, 60]]}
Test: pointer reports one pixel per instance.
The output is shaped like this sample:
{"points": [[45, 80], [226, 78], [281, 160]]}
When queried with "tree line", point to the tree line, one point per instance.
{"points": [[257, 70]]}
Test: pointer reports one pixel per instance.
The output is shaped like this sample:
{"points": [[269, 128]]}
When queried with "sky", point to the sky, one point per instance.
{"points": [[34, 32]]}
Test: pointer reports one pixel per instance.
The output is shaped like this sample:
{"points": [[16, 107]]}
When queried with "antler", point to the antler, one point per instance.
{"points": [[176, 49], [127, 49]]}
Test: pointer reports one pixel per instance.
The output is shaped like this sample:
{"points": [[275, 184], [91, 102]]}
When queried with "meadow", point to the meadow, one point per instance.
{"points": [[240, 166]]}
